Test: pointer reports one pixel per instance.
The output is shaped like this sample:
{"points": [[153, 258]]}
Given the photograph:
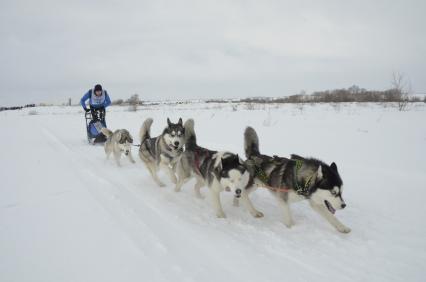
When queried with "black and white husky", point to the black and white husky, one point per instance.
{"points": [[162, 151], [217, 170], [297, 179], [118, 142]]}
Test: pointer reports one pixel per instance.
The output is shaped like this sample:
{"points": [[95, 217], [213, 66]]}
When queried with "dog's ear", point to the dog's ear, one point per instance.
{"points": [[319, 173], [169, 122], [180, 122], [333, 167]]}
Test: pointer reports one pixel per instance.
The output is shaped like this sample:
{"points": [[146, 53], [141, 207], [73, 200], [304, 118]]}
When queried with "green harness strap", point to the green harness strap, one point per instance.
{"points": [[261, 174], [302, 190]]}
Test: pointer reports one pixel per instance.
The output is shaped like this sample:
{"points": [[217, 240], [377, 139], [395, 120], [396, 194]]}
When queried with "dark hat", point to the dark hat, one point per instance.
{"points": [[98, 87]]}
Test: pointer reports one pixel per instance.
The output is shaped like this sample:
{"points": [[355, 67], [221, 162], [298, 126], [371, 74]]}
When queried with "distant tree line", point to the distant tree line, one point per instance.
{"points": [[351, 94], [399, 92], [16, 107]]}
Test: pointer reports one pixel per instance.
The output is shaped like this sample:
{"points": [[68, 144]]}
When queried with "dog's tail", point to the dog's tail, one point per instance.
{"points": [[145, 132], [251, 142], [106, 132], [190, 137]]}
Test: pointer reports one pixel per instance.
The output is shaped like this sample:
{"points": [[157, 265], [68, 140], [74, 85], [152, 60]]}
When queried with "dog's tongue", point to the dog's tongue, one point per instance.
{"points": [[330, 207]]}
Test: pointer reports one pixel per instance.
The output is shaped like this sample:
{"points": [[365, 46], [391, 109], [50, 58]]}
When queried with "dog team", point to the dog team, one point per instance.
{"points": [[177, 152]]}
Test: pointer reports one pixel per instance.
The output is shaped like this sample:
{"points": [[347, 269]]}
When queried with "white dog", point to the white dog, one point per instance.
{"points": [[118, 143]]}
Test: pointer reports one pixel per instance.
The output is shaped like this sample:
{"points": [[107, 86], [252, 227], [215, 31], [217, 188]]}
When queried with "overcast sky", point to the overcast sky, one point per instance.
{"points": [[51, 50]]}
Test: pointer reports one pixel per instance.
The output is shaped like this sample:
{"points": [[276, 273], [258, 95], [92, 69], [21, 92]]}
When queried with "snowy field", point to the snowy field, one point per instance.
{"points": [[66, 214]]}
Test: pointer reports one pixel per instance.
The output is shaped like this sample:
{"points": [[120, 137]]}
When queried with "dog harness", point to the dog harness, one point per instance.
{"points": [[301, 190]]}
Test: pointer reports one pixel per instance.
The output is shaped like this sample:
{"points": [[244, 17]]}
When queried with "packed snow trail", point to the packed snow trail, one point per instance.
{"points": [[67, 214]]}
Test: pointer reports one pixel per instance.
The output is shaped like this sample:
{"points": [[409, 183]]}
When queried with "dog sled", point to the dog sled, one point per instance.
{"points": [[95, 121]]}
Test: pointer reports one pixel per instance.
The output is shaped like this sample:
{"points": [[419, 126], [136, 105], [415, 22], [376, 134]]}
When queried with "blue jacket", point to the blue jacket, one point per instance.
{"points": [[95, 102]]}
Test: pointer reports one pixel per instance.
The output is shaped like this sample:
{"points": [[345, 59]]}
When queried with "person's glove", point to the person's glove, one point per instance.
{"points": [[87, 110]]}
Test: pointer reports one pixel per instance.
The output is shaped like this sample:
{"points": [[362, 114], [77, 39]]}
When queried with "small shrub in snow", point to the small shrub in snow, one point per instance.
{"points": [[250, 106], [402, 105], [32, 113], [134, 102], [402, 88]]}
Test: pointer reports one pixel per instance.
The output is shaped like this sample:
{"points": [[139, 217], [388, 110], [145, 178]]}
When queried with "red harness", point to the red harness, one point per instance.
{"points": [[197, 161]]}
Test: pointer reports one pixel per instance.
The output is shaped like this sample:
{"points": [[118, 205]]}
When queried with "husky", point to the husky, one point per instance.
{"points": [[217, 170], [118, 142], [296, 179], [162, 151]]}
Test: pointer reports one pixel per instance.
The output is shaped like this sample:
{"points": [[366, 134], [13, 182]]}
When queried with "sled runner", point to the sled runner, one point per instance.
{"points": [[95, 121]]}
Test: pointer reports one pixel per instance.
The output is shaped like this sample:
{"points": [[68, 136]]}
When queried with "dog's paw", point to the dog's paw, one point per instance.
{"points": [[220, 215], [343, 229], [258, 214], [133, 161], [177, 189], [161, 184]]}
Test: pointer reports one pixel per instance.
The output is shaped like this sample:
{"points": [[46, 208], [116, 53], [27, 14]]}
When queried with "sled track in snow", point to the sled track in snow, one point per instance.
{"points": [[131, 210], [164, 236]]}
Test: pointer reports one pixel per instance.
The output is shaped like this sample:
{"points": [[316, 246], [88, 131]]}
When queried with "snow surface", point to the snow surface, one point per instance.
{"points": [[66, 214]]}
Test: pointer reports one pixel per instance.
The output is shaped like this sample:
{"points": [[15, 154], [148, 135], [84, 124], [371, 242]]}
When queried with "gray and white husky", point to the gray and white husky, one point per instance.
{"points": [[217, 170], [162, 151], [297, 179], [118, 142]]}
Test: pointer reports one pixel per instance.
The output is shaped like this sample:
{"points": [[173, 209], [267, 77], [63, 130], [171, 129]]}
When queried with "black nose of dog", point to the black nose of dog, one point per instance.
{"points": [[238, 191], [343, 206], [177, 143]]}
